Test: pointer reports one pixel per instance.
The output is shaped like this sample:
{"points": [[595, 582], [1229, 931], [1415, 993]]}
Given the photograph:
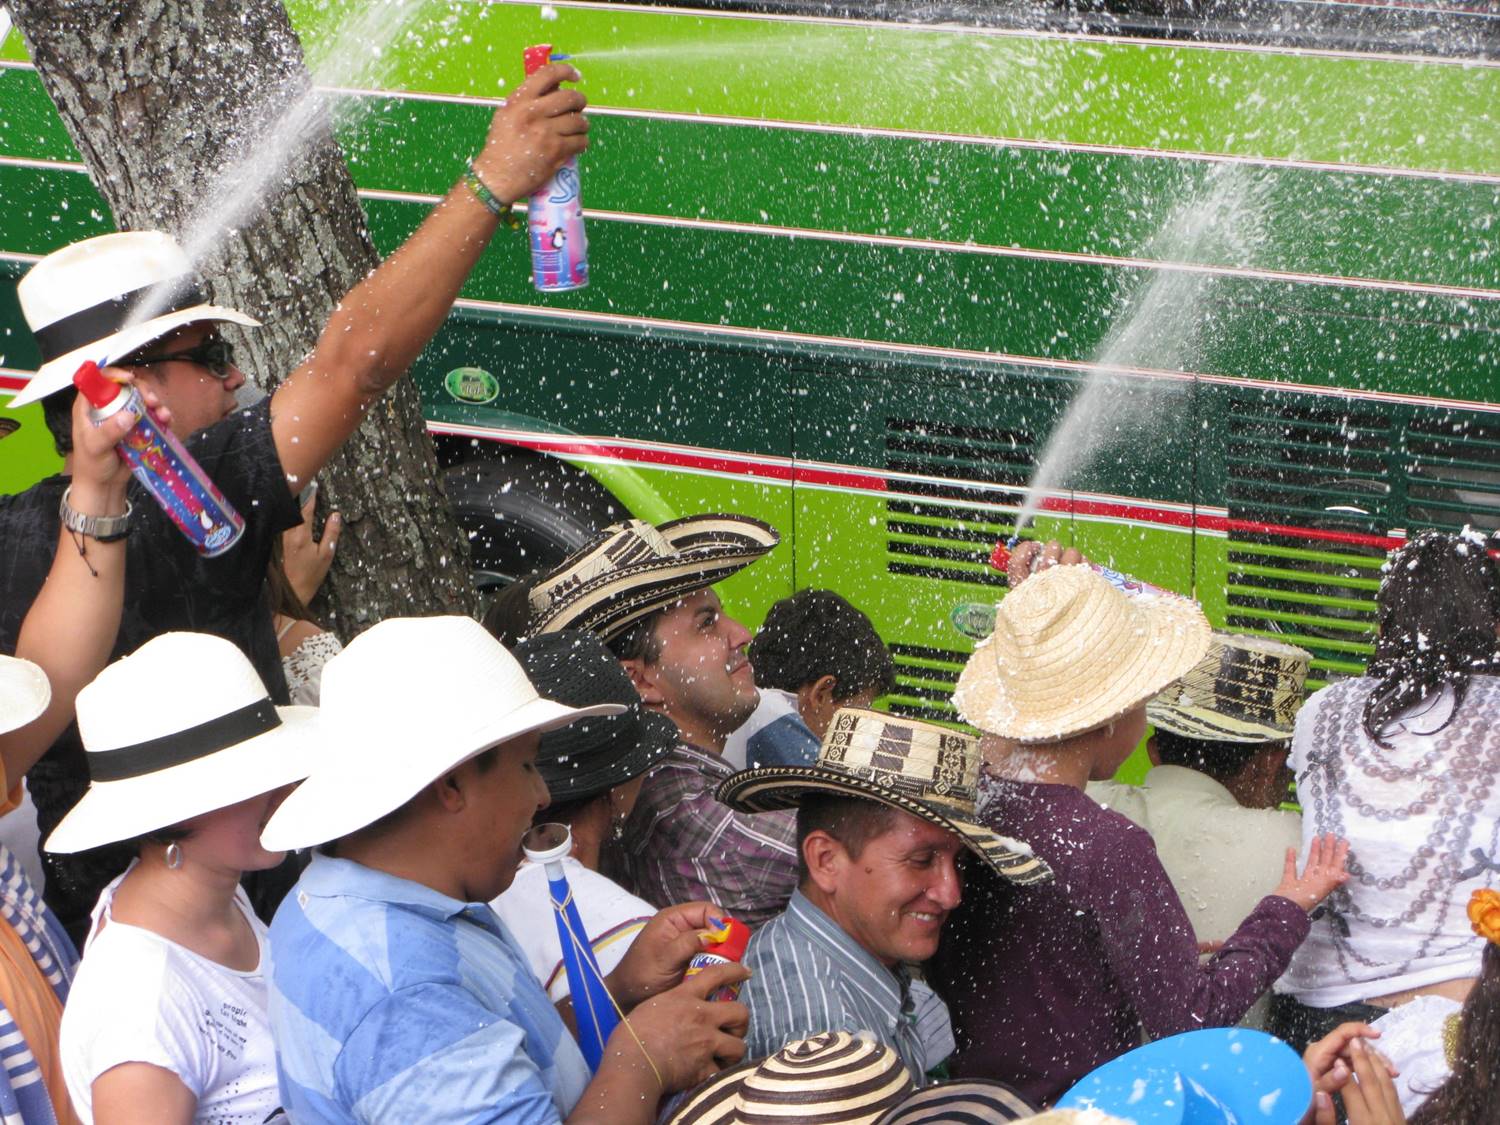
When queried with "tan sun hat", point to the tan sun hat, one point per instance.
{"points": [[1246, 689], [1070, 653], [923, 769], [106, 297]]}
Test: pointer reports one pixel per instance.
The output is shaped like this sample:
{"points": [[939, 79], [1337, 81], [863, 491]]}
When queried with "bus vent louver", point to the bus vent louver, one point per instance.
{"points": [[953, 491], [925, 678], [1319, 492]]}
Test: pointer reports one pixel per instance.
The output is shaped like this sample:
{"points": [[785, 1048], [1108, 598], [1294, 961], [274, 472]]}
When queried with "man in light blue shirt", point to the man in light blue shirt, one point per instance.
{"points": [[882, 819], [397, 995]]}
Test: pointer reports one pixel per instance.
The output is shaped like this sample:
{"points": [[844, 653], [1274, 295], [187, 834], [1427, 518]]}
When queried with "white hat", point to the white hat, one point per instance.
{"points": [[105, 297], [24, 693], [1070, 652], [180, 727], [409, 700]]}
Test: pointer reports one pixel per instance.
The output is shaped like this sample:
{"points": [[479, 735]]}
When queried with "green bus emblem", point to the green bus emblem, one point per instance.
{"points": [[472, 384]]}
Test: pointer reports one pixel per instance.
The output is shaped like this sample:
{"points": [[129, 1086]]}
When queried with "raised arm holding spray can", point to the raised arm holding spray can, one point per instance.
{"points": [[554, 216]]}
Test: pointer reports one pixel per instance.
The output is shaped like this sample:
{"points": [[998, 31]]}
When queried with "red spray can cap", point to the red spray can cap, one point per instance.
{"points": [[94, 385], [1000, 556], [536, 57], [727, 938]]}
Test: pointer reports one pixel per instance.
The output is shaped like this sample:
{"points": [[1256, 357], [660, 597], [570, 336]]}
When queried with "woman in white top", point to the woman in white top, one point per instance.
{"points": [[593, 770], [1404, 762], [166, 1022]]}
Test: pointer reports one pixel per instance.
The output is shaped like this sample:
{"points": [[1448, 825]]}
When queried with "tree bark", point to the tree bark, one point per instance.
{"points": [[161, 97]]}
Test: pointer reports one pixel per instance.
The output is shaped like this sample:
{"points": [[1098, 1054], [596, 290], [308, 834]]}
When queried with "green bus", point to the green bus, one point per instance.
{"points": [[852, 263]]}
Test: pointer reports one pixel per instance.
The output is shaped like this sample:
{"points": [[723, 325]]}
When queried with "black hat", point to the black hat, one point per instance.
{"points": [[591, 756]]}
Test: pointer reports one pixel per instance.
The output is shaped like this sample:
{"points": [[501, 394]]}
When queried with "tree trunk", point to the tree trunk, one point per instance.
{"points": [[160, 97]]}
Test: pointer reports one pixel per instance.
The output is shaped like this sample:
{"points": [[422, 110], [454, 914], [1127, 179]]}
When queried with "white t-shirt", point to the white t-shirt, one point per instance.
{"points": [[611, 915], [141, 998], [1423, 824]]}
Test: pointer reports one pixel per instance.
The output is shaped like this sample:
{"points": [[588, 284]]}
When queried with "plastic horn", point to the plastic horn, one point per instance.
{"points": [[593, 1007]]}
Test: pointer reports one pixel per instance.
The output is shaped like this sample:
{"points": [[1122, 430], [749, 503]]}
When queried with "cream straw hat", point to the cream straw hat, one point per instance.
{"points": [[106, 297], [408, 701], [1070, 653], [180, 727]]}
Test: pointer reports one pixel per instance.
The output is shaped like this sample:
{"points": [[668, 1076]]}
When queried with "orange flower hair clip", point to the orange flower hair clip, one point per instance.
{"points": [[1484, 914]]}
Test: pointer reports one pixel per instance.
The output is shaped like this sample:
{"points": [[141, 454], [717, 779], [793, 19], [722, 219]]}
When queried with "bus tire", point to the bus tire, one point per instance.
{"points": [[524, 512]]}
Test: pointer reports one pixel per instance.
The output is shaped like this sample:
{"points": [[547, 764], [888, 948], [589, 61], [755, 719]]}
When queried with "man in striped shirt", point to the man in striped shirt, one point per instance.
{"points": [[883, 818]]}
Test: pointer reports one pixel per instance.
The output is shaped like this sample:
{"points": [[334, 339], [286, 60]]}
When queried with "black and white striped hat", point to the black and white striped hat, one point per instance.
{"points": [[633, 569]]}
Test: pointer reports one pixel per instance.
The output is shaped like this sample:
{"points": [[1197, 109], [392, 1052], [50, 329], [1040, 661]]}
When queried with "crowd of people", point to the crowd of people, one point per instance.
{"points": [[295, 868]]}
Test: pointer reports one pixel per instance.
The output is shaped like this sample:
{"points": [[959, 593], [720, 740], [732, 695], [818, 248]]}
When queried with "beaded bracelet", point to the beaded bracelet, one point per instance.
{"points": [[482, 193]]}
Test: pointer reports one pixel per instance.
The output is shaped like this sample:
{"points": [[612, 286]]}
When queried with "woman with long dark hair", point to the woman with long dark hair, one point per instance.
{"points": [[1405, 763]]}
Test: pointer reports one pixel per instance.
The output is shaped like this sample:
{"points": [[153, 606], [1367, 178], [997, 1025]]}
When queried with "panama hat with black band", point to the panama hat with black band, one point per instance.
{"points": [[179, 728], [591, 756], [632, 569], [103, 298], [24, 693], [919, 768]]}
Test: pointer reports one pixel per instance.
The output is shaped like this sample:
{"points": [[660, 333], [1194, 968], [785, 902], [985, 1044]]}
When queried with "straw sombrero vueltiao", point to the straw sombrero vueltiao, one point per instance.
{"points": [[923, 769], [106, 297], [834, 1079], [632, 569], [1071, 653], [1246, 689]]}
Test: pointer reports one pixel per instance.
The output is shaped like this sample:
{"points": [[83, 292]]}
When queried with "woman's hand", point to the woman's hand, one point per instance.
{"points": [[1325, 872], [306, 560]]}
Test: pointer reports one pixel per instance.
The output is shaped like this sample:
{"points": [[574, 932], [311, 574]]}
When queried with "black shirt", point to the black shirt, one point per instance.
{"points": [[168, 587]]}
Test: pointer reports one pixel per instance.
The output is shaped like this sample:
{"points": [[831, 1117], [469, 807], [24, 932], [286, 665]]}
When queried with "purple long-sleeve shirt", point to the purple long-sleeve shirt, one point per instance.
{"points": [[1047, 982]]}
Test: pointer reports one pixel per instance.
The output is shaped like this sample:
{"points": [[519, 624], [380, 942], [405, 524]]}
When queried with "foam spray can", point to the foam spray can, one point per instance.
{"points": [[559, 248], [162, 463], [726, 940]]}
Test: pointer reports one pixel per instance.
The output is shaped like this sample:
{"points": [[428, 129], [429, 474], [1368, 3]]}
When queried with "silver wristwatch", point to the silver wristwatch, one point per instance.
{"points": [[102, 529]]}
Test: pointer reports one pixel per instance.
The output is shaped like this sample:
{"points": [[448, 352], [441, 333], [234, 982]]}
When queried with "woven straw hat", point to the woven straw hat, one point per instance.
{"points": [[1070, 653], [834, 1079], [633, 569], [24, 693], [971, 1101], [409, 700], [1246, 689], [106, 297], [920, 768]]}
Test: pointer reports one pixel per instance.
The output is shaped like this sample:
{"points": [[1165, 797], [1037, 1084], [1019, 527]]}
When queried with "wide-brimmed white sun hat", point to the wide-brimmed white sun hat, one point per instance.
{"points": [[409, 700], [1070, 653], [24, 693], [105, 297], [180, 727]]}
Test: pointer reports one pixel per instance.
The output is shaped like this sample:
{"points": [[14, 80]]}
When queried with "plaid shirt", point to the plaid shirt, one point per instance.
{"points": [[680, 844]]}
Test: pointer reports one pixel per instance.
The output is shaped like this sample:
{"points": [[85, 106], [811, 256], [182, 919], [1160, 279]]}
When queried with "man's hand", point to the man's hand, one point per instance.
{"points": [[1031, 557], [539, 127], [1325, 871], [688, 1037], [660, 953], [304, 559]]}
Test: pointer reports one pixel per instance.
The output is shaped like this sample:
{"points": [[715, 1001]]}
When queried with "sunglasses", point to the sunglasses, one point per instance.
{"points": [[213, 353]]}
